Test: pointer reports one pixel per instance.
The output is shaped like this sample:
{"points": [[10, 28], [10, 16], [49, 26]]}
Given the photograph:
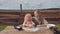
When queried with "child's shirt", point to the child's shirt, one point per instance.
{"points": [[28, 22]]}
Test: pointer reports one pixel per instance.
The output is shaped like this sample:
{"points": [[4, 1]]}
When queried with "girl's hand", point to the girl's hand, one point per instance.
{"points": [[25, 25], [33, 24]]}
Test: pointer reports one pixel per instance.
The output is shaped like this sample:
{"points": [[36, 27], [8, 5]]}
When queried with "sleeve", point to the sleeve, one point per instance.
{"points": [[35, 22], [33, 19]]}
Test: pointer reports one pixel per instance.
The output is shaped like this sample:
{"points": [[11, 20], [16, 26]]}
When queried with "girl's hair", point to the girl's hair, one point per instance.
{"points": [[27, 16]]}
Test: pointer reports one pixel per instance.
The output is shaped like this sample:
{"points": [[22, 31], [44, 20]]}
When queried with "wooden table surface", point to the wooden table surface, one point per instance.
{"points": [[11, 30]]}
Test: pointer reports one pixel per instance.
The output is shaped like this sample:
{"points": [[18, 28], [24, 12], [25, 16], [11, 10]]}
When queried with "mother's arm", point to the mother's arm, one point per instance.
{"points": [[35, 21], [45, 21]]}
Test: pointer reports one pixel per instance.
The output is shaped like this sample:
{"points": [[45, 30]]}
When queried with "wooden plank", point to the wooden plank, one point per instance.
{"points": [[28, 10], [7, 16]]}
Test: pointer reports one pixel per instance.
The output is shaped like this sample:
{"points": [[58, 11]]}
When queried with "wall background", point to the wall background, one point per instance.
{"points": [[11, 17]]}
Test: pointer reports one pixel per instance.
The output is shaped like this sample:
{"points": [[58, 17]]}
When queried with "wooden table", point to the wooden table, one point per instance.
{"points": [[11, 30]]}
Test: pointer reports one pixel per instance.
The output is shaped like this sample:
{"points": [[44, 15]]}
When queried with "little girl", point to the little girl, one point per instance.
{"points": [[28, 21]]}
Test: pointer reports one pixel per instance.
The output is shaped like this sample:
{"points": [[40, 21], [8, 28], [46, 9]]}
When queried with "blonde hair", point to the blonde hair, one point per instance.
{"points": [[27, 16]]}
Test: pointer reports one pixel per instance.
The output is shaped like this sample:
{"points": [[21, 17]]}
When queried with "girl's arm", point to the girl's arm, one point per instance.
{"points": [[25, 24]]}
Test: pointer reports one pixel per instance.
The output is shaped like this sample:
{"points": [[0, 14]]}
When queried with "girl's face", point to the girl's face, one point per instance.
{"points": [[28, 18]]}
